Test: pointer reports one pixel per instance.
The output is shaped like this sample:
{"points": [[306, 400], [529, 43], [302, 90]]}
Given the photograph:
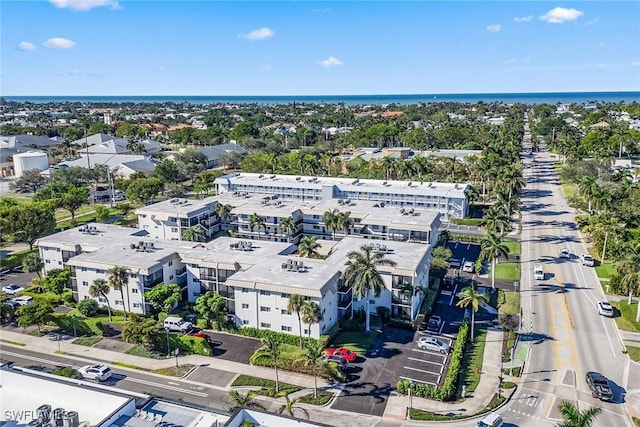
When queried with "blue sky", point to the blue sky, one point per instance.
{"points": [[109, 47]]}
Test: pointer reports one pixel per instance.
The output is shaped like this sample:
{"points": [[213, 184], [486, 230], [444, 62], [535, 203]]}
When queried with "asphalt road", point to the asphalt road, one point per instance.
{"points": [[561, 327]]}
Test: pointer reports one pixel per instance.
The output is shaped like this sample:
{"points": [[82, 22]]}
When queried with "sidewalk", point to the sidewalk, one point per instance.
{"points": [[395, 412]]}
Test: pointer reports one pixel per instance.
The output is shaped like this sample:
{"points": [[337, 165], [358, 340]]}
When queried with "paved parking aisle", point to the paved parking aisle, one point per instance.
{"points": [[425, 366]]}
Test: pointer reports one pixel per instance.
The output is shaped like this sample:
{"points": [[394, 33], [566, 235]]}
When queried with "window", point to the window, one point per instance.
{"points": [[48, 261], [245, 290], [102, 300], [305, 332], [59, 262], [245, 306], [170, 263], [265, 309], [118, 302], [265, 293], [265, 325], [372, 301], [83, 268], [134, 291], [245, 322], [174, 230], [283, 295], [286, 328], [171, 277], [85, 283], [57, 249], [136, 305], [285, 312]]}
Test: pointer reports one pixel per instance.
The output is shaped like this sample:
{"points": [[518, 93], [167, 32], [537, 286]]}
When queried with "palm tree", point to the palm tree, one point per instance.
{"points": [[388, 163], [312, 356], [240, 401], [32, 263], [492, 249], [289, 406], [288, 226], [272, 347], [330, 219], [119, 279], [495, 220], [311, 314], [308, 247], [295, 304], [588, 187], [256, 220], [223, 212], [363, 276], [193, 234], [345, 222], [470, 297], [573, 417], [628, 273], [100, 288]]}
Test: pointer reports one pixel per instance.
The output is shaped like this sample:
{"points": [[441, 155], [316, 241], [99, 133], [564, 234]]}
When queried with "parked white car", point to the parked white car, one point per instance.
{"points": [[564, 253], [23, 300], [538, 272], [605, 309], [433, 344], [12, 289], [468, 267], [587, 260], [95, 372]]}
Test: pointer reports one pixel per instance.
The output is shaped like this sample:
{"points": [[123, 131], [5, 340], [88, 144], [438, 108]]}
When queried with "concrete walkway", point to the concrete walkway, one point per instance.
{"points": [[395, 412]]}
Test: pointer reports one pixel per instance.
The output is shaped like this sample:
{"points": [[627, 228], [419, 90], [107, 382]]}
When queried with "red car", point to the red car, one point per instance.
{"points": [[345, 353], [204, 336]]}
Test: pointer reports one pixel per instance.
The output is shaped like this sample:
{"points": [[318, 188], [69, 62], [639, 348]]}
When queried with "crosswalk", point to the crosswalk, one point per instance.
{"points": [[527, 404]]}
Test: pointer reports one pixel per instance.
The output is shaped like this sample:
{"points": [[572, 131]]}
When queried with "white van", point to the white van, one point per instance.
{"points": [[177, 324], [493, 419]]}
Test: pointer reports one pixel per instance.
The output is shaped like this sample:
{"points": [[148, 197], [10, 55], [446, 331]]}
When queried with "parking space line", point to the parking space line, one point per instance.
{"points": [[444, 356], [439, 365], [418, 381], [420, 370]]}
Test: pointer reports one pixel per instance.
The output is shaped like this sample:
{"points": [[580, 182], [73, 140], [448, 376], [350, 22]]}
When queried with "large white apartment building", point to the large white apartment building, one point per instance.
{"points": [[256, 277], [450, 199]]}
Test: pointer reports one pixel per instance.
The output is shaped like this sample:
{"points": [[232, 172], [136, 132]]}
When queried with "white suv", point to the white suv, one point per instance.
{"points": [[95, 372], [587, 260], [538, 272]]}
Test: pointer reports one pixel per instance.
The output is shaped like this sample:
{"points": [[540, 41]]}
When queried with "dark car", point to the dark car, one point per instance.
{"points": [[599, 386], [342, 364], [434, 324]]}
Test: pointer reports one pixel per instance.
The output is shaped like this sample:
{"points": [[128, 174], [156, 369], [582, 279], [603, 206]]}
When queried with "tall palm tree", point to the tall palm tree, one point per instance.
{"points": [[588, 187], [311, 314], [388, 163], [272, 346], [345, 222], [256, 220], [628, 273], [363, 276], [119, 279], [193, 234], [288, 226], [492, 248], [312, 355], [100, 288], [290, 405], [495, 220], [240, 401], [295, 304], [308, 247], [223, 212], [330, 219], [470, 297], [573, 417]]}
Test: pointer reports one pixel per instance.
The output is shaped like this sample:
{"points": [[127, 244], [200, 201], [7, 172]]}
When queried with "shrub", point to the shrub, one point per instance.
{"points": [[67, 298], [88, 307], [402, 324], [192, 344], [68, 372], [352, 324], [248, 331]]}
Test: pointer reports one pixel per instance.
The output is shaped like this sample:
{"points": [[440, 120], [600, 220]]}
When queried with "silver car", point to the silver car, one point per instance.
{"points": [[433, 344]]}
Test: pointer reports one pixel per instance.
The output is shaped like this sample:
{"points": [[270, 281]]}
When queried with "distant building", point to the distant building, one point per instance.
{"points": [[124, 164], [31, 160]]}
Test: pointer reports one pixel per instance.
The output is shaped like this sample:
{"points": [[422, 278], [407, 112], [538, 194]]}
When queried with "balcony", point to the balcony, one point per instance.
{"points": [[152, 282], [344, 303]]}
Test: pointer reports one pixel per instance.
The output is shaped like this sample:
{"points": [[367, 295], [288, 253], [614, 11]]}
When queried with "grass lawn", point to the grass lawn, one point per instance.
{"points": [[323, 398], [514, 247], [268, 386], [627, 320], [88, 341], [142, 351], [511, 304], [634, 353], [472, 360], [64, 214], [569, 190], [605, 271], [507, 271], [85, 325], [355, 341], [172, 371], [15, 259]]}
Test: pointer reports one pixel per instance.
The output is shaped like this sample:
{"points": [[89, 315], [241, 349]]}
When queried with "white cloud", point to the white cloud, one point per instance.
{"points": [[523, 18], [259, 34], [331, 61], [558, 15], [494, 28], [84, 4], [59, 43], [26, 46]]}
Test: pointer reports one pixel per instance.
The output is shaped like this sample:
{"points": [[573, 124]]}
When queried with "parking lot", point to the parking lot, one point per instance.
{"points": [[425, 366]]}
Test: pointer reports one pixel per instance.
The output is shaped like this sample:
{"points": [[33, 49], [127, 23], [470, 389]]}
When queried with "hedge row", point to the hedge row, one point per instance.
{"points": [[448, 389], [249, 331], [191, 344]]}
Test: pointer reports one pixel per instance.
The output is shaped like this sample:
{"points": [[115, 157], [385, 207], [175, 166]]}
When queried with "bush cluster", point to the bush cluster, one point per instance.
{"points": [[192, 344], [448, 388]]}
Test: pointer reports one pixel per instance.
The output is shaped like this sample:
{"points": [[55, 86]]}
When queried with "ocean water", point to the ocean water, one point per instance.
{"points": [[507, 98]]}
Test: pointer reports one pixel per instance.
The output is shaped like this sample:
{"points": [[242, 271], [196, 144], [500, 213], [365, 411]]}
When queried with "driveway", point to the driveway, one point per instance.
{"points": [[233, 347]]}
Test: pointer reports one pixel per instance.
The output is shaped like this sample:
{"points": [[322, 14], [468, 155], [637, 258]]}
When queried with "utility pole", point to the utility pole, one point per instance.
{"points": [[604, 247]]}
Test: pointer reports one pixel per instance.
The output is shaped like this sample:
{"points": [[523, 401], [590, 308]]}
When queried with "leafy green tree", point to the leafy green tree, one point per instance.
{"points": [[492, 249], [469, 297], [363, 276], [73, 199], [88, 307], [440, 261], [272, 346], [167, 171], [141, 331], [29, 182], [243, 130], [100, 288], [573, 417], [345, 222], [295, 304], [57, 280], [192, 162], [308, 247], [193, 234], [163, 297], [311, 314], [119, 279], [313, 353], [102, 213], [211, 306], [37, 313], [289, 407], [29, 221], [240, 401], [144, 189]]}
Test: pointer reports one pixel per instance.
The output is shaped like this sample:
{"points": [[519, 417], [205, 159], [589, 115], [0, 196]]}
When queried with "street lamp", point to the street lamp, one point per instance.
{"points": [[500, 377], [410, 399], [168, 348], [73, 319]]}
